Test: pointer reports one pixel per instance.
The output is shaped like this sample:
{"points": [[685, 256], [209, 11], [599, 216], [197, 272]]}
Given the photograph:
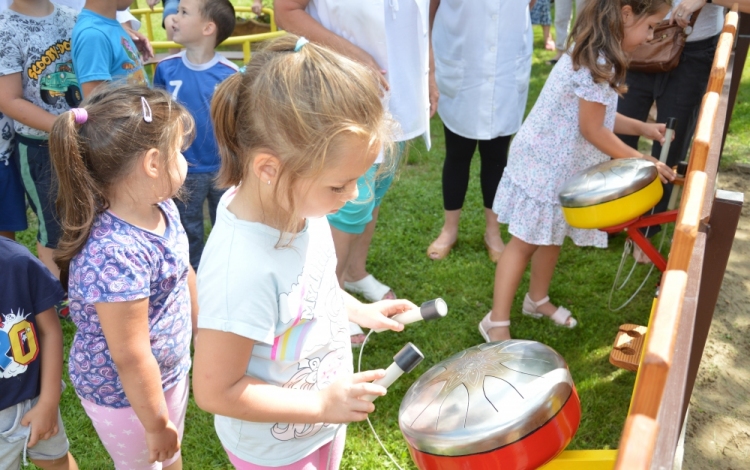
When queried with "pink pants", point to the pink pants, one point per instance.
{"points": [[123, 435], [315, 461]]}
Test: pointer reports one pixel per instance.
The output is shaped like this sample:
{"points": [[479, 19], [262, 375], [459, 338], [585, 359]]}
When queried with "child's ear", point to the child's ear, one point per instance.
{"points": [[151, 163], [209, 28], [266, 168], [627, 14]]}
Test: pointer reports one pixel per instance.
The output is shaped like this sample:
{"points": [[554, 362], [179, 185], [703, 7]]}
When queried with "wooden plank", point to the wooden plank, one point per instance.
{"points": [[637, 443], [731, 21], [660, 344], [688, 221], [703, 131], [676, 395], [721, 62]]}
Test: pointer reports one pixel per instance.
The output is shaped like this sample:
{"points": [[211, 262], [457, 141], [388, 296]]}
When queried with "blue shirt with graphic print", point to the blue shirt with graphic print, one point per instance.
{"points": [[26, 289], [102, 50]]}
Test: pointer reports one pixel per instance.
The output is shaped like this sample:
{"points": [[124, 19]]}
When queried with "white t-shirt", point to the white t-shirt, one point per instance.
{"points": [[288, 300]]}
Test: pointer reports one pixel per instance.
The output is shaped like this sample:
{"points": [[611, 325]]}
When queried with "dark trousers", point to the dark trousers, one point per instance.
{"points": [[677, 94], [458, 154], [197, 188]]}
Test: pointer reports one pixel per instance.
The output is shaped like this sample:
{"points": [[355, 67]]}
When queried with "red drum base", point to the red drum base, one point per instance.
{"points": [[530, 452]]}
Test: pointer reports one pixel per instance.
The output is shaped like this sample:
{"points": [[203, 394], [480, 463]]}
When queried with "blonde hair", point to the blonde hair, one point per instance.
{"points": [[599, 31], [299, 107], [91, 157]]}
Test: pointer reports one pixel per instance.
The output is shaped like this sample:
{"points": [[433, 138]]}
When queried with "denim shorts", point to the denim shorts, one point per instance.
{"points": [[32, 157], [14, 438], [13, 215]]}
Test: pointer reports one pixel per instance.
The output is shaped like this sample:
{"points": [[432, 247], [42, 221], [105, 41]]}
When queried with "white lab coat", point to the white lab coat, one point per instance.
{"points": [[482, 65], [362, 22]]}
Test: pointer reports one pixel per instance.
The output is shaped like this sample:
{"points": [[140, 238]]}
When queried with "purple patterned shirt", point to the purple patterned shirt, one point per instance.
{"points": [[120, 263]]}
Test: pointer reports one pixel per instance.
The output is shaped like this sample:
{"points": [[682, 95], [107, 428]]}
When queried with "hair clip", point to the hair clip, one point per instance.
{"points": [[80, 114], [300, 42], [242, 69], [147, 116]]}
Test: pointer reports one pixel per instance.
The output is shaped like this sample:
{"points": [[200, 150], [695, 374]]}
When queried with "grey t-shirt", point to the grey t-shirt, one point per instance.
{"points": [[39, 48]]}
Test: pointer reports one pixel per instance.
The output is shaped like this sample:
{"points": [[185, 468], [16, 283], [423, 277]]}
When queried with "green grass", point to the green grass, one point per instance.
{"points": [[411, 217]]}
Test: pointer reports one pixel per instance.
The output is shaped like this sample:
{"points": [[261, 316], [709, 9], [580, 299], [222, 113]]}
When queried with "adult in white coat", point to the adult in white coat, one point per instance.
{"points": [[482, 54], [393, 38]]}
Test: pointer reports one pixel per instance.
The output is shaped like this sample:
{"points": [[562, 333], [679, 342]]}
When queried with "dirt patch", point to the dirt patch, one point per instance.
{"points": [[718, 432]]}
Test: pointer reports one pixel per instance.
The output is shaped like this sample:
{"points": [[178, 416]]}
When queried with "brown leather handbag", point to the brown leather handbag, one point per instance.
{"points": [[662, 53]]}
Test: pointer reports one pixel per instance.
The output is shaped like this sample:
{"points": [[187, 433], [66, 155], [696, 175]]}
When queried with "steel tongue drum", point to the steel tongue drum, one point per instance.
{"points": [[610, 193], [509, 405]]}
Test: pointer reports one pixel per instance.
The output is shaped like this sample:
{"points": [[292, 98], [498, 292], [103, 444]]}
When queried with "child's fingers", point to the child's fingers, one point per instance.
{"points": [[33, 438], [368, 376], [368, 388]]}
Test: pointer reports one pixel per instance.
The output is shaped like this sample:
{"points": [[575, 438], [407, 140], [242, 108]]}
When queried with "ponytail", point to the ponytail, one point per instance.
{"points": [[225, 114], [79, 198]]}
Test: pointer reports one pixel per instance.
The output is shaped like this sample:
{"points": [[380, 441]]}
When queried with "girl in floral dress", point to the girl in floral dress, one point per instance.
{"points": [[571, 127]]}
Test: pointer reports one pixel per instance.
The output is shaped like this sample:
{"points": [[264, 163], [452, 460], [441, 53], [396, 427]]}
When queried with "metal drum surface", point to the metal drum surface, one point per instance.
{"points": [[610, 193], [504, 405]]}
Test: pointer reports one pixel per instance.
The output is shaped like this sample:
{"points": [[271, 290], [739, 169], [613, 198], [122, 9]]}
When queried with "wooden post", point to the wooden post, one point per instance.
{"points": [[725, 215]]}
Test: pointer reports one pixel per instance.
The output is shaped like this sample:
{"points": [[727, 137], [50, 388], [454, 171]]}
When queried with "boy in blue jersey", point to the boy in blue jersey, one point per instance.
{"points": [[31, 353], [102, 49], [191, 77]]}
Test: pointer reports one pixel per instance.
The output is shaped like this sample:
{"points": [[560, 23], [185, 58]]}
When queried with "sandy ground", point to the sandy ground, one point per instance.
{"points": [[718, 432]]}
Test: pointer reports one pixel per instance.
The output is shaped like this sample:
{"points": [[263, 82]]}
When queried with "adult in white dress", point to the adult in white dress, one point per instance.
{"points": [[482, 54]]}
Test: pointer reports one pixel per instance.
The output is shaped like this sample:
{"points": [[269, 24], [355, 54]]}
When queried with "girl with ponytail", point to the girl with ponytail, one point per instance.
{"points": [[571, 127], [296, 129], [125, 256]]}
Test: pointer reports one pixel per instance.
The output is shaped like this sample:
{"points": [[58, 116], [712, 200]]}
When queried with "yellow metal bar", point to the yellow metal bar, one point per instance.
{"points": [[149, 27], [246, 52], [234, 40], [583, 460], [245, 41]]}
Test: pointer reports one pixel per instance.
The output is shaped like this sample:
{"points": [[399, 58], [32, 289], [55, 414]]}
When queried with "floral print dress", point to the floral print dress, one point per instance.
{"points": [[547, 151]]}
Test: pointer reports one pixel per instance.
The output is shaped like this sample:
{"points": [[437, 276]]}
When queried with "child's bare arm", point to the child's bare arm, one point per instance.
{"points": [[14, 105], [43, 416], [193, 288], [126, 328], [220, 386], [591, 124], [89, 87]]}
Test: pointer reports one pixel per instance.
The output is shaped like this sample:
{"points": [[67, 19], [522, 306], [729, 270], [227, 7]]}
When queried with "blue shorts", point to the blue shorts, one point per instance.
{"points": [[355, 215], [13, 438], [13, 215], [32, 158]]}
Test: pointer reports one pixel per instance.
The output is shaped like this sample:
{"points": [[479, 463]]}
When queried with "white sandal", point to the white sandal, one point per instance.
{"points": [[560, 317], [370, 288], [486, 325]]}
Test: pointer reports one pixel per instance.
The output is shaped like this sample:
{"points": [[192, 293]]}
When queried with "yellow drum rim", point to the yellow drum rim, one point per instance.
{"points": [[617, 211]]}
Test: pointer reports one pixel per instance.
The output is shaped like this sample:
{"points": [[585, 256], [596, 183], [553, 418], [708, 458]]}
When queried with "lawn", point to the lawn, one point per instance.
{"points": [[411, 217]]}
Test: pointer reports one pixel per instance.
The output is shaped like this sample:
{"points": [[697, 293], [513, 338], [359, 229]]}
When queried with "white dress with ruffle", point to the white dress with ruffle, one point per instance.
{"points": [[547, 151]]}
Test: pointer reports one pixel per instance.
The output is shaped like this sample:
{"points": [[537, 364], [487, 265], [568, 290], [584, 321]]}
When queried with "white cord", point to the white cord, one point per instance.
{"points": [[372, 428], [625, 252]]}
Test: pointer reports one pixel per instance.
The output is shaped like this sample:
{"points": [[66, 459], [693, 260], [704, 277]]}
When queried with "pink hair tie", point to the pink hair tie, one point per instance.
{"points": [[81, 115]]}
